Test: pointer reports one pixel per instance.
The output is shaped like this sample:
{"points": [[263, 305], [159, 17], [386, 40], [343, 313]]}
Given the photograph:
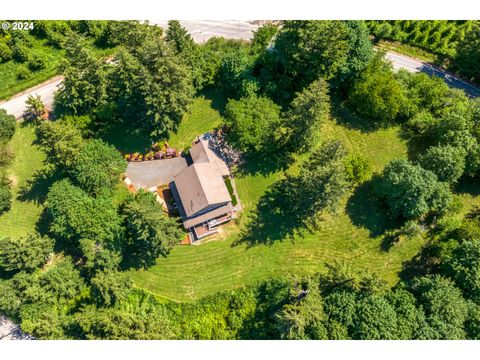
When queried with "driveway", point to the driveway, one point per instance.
{"points": [[146, 174]]}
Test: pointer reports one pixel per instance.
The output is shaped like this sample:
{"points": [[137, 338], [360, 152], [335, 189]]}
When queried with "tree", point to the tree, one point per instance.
{"points": [[26, 253], [7, 126], [377, 97], [262, 38], [137, 322], [62, 282], [235, 75], [445, 308], [75, 216], [411, 191], [61, 141], [151, 87], [150, 233], [464, 265], [320, 185], [358, 168], [308, 110], [251, 123], [410, 317], [84, 85], [308, 50], [374, 319], [467, 59], [340, 308], [360, 52], [110, 287], [425, 93], [178, 37], [302, 319], [35, 110], [447, 162], [97, 167], [5, 193]]}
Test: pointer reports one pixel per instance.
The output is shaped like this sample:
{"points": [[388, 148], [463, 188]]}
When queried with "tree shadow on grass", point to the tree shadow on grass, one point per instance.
{"points": [[217, 98], [264, 164], [468, 185], [36, 189], [125, 138], [366, 211], [347, 118], [273, 219]]}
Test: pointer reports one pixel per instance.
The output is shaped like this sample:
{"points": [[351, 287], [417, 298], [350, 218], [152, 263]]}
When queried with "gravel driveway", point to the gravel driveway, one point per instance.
{"points": [[145, 174]]}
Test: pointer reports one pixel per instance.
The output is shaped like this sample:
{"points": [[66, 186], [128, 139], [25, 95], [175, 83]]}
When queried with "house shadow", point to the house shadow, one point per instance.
{"points": [[272, 220], [367, 211]]}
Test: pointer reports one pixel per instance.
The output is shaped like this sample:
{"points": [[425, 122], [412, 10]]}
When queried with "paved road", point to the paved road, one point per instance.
{"points": [[16, 105], [203, 30], [414, 65]]}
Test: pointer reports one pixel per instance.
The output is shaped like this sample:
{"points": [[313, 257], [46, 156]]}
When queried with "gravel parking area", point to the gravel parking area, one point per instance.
{"points": [[145, 174]]}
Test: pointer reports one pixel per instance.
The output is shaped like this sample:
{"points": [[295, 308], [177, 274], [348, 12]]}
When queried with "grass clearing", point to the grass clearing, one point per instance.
{"points": [[200, 119], [28, 187], [190, 272]]}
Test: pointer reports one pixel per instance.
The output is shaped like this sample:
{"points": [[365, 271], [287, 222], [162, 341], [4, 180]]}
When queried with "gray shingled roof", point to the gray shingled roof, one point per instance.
{"points": [[201, 153], [200, 186]]}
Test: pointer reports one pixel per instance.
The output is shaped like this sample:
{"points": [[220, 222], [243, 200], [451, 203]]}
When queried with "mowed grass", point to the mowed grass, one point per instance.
{"points": [[200, 119], [190, 272], [27, 208]]}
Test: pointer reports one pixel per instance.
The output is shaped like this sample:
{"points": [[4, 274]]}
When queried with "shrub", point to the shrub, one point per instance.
{"points": [[5, 52], [5, 194], [358, 169], [20, 52], [6, 154], [37, 62], [7, 126], [228, 183], [186, 151], [23, 73], [234, 200]]}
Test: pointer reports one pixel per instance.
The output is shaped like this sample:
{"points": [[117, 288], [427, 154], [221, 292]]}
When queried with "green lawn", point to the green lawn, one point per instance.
{"points": [[190, 272], [28, 188], [200, 119]]}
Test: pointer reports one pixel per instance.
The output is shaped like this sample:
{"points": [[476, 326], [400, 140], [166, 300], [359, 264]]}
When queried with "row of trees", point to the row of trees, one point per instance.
{"points": [[7, 130], [457, 40]]}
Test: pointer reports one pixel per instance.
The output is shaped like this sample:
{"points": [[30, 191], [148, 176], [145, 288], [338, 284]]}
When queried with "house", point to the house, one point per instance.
{"points": [[200, 192]]}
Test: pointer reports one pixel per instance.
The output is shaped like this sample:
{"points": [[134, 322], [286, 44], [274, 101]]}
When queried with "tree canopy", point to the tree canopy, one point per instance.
{"points": [[411, 191], [26, 253], [251, 123], [150, 233], [97, 167]]}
